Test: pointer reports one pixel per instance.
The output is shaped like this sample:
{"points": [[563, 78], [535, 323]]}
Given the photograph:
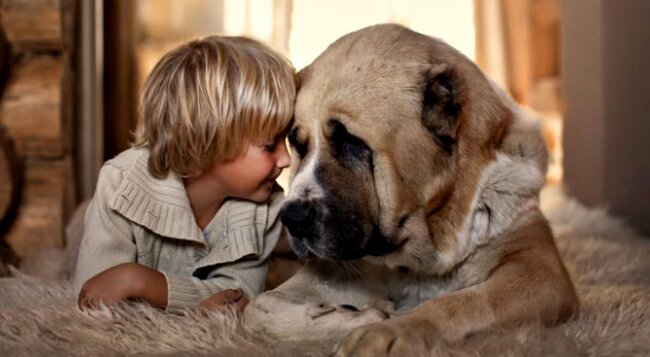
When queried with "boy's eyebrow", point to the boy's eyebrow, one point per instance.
{"points": [[284, 132]]}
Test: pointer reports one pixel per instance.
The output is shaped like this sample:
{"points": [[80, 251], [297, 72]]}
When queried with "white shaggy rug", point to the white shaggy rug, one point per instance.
{"points": [[609, 264]]}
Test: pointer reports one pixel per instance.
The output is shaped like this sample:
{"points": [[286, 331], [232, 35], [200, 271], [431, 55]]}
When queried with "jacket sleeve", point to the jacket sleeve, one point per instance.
{"points": [[242, 262], [107, 239]]}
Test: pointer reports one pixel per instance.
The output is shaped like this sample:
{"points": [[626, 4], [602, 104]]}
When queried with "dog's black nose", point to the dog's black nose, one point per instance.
{"points": [[298, 217]]}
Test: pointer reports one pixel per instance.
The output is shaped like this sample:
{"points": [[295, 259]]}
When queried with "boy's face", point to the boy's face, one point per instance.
{"points": [[251, 176]]}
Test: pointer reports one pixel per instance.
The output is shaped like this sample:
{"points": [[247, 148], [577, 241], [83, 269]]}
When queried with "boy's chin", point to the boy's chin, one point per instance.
{"points": [[258, 199], [260, 196]]}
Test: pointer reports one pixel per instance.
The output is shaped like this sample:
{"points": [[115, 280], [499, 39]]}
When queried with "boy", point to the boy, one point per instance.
{"points": [[192, 210]]}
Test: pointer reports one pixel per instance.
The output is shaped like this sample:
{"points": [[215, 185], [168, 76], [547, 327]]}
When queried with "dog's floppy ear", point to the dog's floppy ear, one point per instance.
{"points": [[441, 105]]}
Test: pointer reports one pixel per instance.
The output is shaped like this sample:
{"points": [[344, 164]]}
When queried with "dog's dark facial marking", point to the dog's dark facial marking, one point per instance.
{"points": [[379, 245], [344, 226], [349, 150], [441, 108], [340, 222], [299, 144]]}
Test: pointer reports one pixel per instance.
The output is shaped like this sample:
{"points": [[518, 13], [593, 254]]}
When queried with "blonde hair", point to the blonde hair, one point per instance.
{"points": [[206, 100]]}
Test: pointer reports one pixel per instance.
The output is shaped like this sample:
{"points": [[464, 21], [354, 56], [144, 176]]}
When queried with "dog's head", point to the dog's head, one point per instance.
{"points": [[392, 131]]}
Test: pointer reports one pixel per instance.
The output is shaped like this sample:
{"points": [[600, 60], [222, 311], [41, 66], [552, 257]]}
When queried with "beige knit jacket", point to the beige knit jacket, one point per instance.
{"points": [[134, 217]]}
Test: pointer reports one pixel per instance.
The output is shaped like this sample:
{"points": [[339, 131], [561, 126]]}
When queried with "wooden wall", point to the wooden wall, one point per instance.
{"points": [[36, 110]]}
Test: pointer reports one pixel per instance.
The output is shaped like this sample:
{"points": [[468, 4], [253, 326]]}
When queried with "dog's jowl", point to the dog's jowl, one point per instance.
{"points": [[414, 198]]}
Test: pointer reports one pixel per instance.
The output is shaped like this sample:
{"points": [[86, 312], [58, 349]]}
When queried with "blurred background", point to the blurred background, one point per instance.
{"points": [[71, 70]]}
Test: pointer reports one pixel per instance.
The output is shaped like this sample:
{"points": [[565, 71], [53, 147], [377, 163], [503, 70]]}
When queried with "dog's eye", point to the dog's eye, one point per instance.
{"points": [[349, 148], [294, 141]]}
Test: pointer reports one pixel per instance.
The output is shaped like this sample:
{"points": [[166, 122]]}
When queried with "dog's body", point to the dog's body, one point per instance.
{"points": [[415, 189]]}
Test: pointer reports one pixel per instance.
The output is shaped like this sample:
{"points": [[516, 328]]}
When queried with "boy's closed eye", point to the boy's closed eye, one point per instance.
{"points": [[272, 145]]}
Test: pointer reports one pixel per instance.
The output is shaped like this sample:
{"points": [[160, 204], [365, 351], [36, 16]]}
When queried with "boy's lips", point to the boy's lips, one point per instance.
{"points": [[274, 177]]}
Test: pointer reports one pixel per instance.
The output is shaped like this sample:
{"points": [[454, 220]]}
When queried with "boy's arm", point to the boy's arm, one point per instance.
{"points": [[107, 238], [122, 282], [106, 272]]}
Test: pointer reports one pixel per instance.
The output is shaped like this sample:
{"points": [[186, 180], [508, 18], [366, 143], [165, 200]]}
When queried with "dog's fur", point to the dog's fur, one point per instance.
{"points": [[415, 191]]}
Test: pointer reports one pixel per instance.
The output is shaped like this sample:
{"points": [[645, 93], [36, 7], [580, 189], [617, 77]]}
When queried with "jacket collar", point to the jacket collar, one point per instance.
{"points": [[160, 205]]}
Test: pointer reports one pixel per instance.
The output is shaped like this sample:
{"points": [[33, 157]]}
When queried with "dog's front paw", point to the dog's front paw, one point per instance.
{"points": [[347, 314], [393, 337], [318, 310], [274, 315]]}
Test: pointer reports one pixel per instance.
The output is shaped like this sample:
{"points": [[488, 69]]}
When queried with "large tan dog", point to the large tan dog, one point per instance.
{"points": [[415, 191]]}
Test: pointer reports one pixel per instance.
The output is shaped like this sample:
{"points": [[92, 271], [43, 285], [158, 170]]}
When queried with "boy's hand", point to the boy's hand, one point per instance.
{"points": [[229, 298], [122, 282]]}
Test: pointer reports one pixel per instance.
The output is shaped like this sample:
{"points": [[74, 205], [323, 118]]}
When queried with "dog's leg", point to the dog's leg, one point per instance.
{"points": [[312, 306], [530, 284]]}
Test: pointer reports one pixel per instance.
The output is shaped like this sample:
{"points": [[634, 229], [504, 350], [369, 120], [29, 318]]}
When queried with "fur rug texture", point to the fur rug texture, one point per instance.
{"points": [[609, 264]]}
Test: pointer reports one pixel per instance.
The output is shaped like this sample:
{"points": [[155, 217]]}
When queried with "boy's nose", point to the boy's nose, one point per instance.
{"points": [[283, 158]]}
